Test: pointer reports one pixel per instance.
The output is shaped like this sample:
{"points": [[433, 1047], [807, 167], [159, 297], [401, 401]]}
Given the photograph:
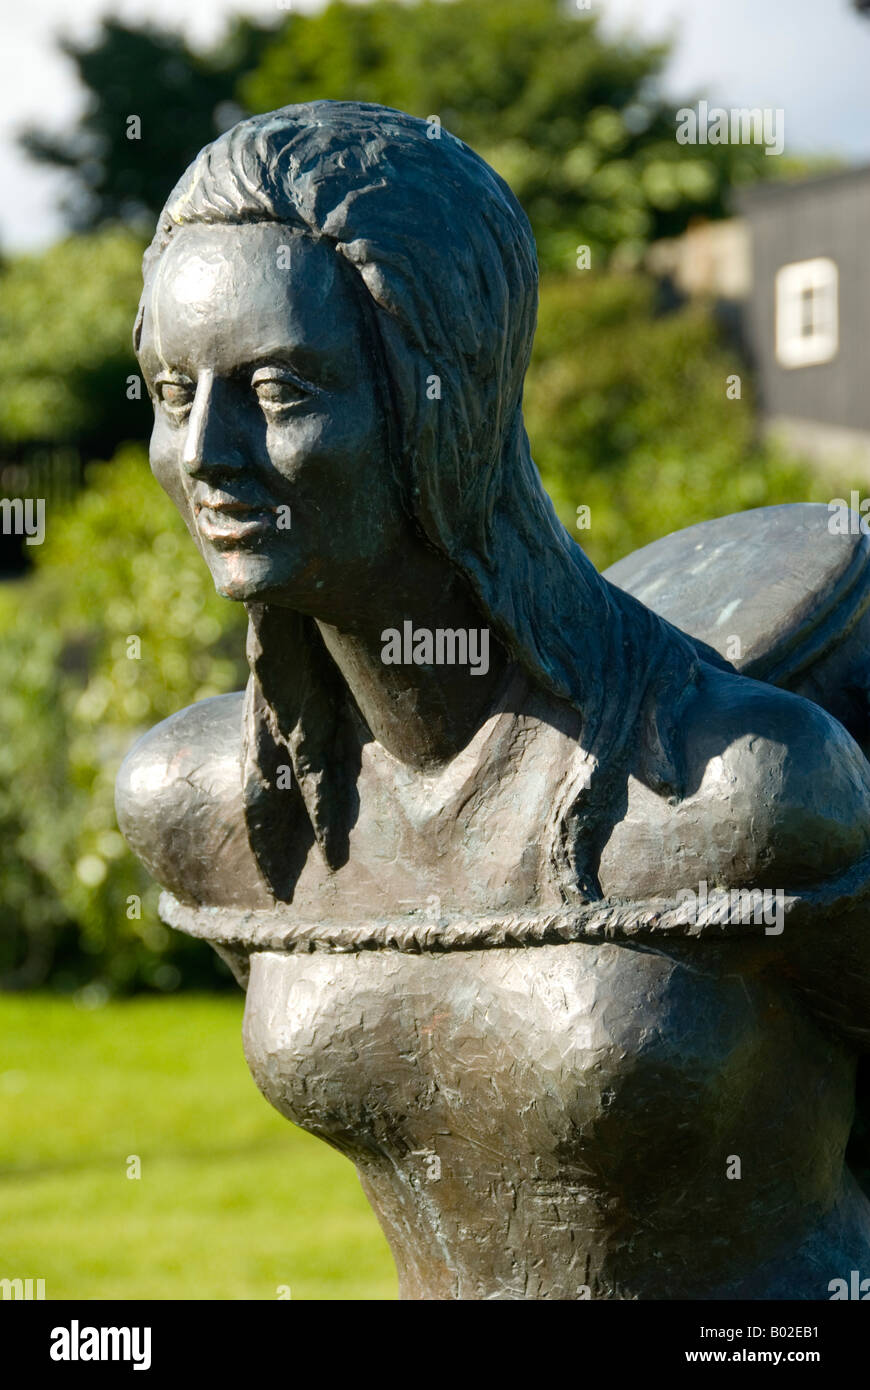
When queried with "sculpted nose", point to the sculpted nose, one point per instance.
{"points": [[210, 447]]}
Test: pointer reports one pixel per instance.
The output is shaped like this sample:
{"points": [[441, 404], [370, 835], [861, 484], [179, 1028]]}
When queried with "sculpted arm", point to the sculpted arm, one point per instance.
{"points": [[777, 797]]}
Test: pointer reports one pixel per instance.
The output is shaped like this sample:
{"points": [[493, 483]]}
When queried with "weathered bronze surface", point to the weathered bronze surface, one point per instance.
{"points": [[484, 908]]}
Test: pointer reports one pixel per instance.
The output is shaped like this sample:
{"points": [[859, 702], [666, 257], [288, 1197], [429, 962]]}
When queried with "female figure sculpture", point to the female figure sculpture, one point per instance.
{"points": [[450, 885]]}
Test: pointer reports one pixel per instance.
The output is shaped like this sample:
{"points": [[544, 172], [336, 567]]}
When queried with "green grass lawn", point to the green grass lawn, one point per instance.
{"points": [[233, 1201]]}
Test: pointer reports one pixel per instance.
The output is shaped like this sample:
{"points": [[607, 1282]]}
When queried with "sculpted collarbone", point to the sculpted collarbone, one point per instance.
{"points": [[749, 808]]}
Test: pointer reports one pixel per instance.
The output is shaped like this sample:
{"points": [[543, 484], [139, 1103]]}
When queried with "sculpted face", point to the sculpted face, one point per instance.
{"points": [[268, 430]]}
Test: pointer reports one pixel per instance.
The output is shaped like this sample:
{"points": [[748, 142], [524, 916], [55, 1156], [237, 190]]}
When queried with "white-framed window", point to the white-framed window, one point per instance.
{"points": [[807, 312]]}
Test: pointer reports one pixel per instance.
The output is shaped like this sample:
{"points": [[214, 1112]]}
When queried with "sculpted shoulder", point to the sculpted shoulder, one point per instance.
{"points": [[777, 795], [178, 798]]}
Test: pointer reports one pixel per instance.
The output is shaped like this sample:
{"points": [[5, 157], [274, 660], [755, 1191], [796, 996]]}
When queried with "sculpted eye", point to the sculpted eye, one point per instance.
{"points": [[278, 391], [175, 393]]}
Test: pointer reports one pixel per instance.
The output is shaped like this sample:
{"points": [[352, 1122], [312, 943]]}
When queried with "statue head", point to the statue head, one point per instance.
{"points": [[332, 294], [337, 320]]}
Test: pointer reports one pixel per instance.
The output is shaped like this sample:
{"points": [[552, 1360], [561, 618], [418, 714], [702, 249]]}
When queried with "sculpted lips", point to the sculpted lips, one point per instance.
{"points": [[224, 519]]}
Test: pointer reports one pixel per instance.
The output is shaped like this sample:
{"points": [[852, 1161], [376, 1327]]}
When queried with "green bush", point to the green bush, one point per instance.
{"points": [[66, 350], [118, 565]]}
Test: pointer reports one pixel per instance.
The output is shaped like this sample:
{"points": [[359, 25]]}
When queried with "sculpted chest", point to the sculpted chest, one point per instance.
{"points": [[478, 838], [502, 1101], [528, 1120]]}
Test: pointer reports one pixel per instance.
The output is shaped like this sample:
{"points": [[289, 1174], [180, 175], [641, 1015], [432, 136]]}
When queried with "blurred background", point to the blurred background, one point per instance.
{"points": [[677, 376]]}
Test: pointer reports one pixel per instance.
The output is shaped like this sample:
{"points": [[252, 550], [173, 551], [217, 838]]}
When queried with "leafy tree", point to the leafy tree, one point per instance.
{"points": [[575, 122], [66, 351], [118, 171]]}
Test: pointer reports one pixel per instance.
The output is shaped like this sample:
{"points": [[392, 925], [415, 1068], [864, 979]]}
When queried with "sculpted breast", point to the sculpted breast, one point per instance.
{"points": [[562, 1088], [358, 1046]]}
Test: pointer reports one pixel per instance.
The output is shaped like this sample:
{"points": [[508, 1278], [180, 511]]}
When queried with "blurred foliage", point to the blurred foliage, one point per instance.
{"points": [[626, 405], [575, 122], [182, 99], [627, 411], [117, 564], [66, 351]]}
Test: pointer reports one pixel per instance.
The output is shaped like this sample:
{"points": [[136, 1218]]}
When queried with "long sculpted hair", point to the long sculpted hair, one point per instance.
{"points": [[447, 271]]}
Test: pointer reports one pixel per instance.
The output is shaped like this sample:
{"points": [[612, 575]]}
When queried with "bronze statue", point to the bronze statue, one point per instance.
{"points": [[472, 837]]}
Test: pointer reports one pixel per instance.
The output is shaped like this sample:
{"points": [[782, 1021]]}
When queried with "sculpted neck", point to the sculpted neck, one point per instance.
{"points": [[411, 644], [422, 664]]}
